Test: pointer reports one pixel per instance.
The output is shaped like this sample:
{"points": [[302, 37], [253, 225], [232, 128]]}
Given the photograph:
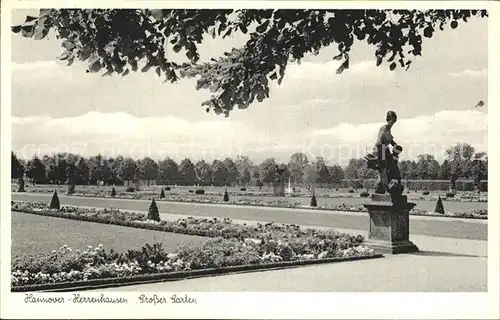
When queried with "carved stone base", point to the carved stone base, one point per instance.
{"points": [[389, 225], [392, 247]]}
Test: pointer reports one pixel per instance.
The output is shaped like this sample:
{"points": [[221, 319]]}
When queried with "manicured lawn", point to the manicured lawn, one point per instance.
{"points": [[32, 233]]}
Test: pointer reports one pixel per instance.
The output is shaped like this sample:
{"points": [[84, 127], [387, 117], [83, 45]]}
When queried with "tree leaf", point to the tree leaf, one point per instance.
{"points": [[40, 32], [263, 27], [30, 18], [243, 28], [339, 56], [158, 71], [392, 66], [16, 29]]}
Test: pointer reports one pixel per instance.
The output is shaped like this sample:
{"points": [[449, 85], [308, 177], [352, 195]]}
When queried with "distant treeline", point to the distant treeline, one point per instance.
{"points": [[462, 163]]}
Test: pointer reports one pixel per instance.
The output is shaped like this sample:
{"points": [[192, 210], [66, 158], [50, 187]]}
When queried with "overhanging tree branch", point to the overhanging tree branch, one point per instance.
{"points": [[118, 41]]}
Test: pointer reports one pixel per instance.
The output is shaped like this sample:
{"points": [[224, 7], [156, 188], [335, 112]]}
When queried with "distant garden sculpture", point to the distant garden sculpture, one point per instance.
{"points": [[385, 161], [278, 185], [389, 230]]}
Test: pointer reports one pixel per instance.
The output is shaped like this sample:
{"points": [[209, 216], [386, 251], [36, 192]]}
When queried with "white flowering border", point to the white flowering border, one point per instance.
{"points": [[131, 271]]}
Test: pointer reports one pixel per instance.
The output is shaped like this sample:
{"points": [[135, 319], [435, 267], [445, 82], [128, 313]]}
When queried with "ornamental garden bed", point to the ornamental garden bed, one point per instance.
{"points": [[253, 192], [232, 247], [468, 212]]}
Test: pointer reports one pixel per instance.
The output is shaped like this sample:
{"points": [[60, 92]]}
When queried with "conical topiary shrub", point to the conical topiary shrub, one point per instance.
{"points": [[54, 203], [113, 192], [153, 213], [314, 203], [226, 196], [162, 194], [439, 206]]}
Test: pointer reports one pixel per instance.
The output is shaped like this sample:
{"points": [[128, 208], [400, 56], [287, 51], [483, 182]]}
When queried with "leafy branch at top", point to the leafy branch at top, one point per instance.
{"points": [[118, 41]]}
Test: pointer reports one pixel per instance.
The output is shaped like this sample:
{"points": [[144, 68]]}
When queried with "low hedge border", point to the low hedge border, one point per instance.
{"points": [[180, 275], [147, 195], [346, 208], [481, 214]]}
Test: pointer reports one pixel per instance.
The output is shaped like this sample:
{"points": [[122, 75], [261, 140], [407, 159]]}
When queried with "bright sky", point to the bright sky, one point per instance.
{"points": [[59, 108]]}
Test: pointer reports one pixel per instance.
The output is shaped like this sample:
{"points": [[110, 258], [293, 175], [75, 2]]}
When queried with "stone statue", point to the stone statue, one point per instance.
{"points": [[385, 160], [280, 171], [278, 185]]}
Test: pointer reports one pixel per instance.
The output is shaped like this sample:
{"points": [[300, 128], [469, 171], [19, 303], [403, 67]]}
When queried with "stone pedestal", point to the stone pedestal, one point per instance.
{"points": [[279, 190], [71, 188], [20, 185], [390, 225]]}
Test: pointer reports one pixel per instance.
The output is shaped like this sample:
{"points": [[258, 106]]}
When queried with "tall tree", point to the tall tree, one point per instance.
{"points": [[460, 158], [50, 168], [116, 166], [232, 170], [297, 164], [220, 173], [114, 40], [444, 170], [82, 169], [150, 169], [168, 171], [187, 172], [36, 171], [16, 166], [310, 174], [479, 168], [243, 163], [337, 175], [323, 174], [245, 177], [204, 173], [268, 171], [128, 170], [427, 167]]}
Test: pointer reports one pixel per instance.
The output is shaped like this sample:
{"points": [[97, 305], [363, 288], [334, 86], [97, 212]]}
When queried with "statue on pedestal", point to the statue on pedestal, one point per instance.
{"points": [[385, 160]]}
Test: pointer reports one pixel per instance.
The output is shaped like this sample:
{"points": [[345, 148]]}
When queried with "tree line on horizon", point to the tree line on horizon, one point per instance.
{"points": [[462, 162]]}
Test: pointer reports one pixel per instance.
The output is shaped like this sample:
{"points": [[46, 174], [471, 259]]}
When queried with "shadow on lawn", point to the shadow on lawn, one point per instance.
{"points": [[445, 254]]}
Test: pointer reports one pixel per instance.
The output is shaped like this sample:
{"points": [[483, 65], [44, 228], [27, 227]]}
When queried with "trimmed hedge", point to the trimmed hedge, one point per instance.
{"points": [[427, 185]]}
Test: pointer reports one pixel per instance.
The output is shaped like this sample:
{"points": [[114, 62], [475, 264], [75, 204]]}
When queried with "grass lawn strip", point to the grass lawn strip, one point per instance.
{"points": [[32, 234], [245, 246]]}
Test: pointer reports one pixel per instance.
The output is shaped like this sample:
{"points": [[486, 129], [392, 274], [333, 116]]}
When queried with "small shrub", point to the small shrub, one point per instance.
{"points": [[200, 191], [425, 193], [439, 206], [351, 191], [162, 194], [314, 203], [364, 194], [243, 189], [130, 189], [113, 192], [167, 188], [259, 184], [153, 213], [190, 191], [54, 203], [226, 196], [450, 194]]}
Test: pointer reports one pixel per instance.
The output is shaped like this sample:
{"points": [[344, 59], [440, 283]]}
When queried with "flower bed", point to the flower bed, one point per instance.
{"points": [[233, 245], [154, 191], [96, 266], [205, 227]]}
